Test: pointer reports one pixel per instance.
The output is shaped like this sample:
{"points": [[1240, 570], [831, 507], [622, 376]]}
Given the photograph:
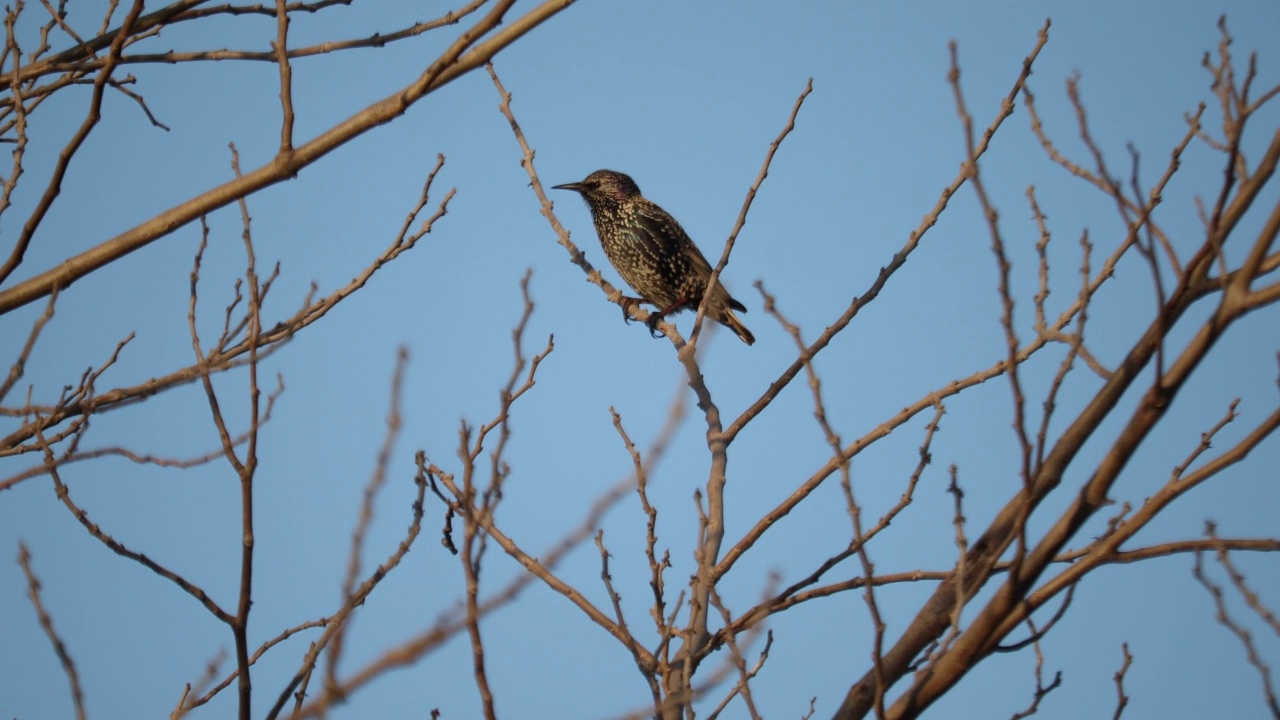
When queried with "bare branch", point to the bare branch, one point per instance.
{"points": [[1122, 700], [1244, 636], [223, 358], [46, 622], [20, 363], [463, 55], [746, 207], [371, 490]]}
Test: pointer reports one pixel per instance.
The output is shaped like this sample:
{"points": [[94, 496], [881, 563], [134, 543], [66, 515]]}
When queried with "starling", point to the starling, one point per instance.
{"points": [[652, 252]]}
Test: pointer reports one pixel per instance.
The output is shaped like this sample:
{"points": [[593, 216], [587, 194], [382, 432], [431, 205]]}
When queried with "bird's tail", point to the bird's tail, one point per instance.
{"points": [[731, 321]]}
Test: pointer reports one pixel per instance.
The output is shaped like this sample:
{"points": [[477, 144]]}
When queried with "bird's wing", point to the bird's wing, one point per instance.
{"points": [[661, 234]]}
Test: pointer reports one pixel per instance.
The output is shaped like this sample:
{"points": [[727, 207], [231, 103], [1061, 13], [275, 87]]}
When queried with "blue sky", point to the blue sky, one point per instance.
{"points": [[684, 97]]}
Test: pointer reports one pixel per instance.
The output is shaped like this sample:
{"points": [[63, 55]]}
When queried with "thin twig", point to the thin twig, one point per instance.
{"points": [[746, 207], [46, 622], [1122, 699]]}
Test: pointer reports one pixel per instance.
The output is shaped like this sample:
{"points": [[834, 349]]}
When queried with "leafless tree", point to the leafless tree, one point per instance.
{"points": [[1016, 574]]}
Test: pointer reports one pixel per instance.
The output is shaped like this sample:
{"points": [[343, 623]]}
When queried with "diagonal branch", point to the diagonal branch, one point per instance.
{"points": [[463, 55]]}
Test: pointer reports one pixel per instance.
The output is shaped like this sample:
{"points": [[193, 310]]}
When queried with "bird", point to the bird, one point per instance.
{"points": [[652, 253]]}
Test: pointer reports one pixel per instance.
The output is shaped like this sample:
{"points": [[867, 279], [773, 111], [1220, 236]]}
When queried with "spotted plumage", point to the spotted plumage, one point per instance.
{"points": [[652, 253]]}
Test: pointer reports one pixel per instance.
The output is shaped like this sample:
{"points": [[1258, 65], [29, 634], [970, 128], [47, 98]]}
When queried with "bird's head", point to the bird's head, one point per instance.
{"points": [[605, 185]]}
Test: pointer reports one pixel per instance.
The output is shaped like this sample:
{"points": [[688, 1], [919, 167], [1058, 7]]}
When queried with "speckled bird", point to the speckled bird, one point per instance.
{"points": [[652, 252]]}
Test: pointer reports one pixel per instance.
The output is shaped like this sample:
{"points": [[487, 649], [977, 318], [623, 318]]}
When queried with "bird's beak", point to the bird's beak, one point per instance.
{"points": [[576, 187]]}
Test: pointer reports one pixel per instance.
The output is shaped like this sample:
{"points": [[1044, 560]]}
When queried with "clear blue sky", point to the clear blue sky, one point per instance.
{"points": [[685, 97]]}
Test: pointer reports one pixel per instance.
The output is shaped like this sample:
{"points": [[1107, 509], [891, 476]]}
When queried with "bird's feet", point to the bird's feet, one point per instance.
{"points": [[654, 318], [629, 305], [660, 314]]}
